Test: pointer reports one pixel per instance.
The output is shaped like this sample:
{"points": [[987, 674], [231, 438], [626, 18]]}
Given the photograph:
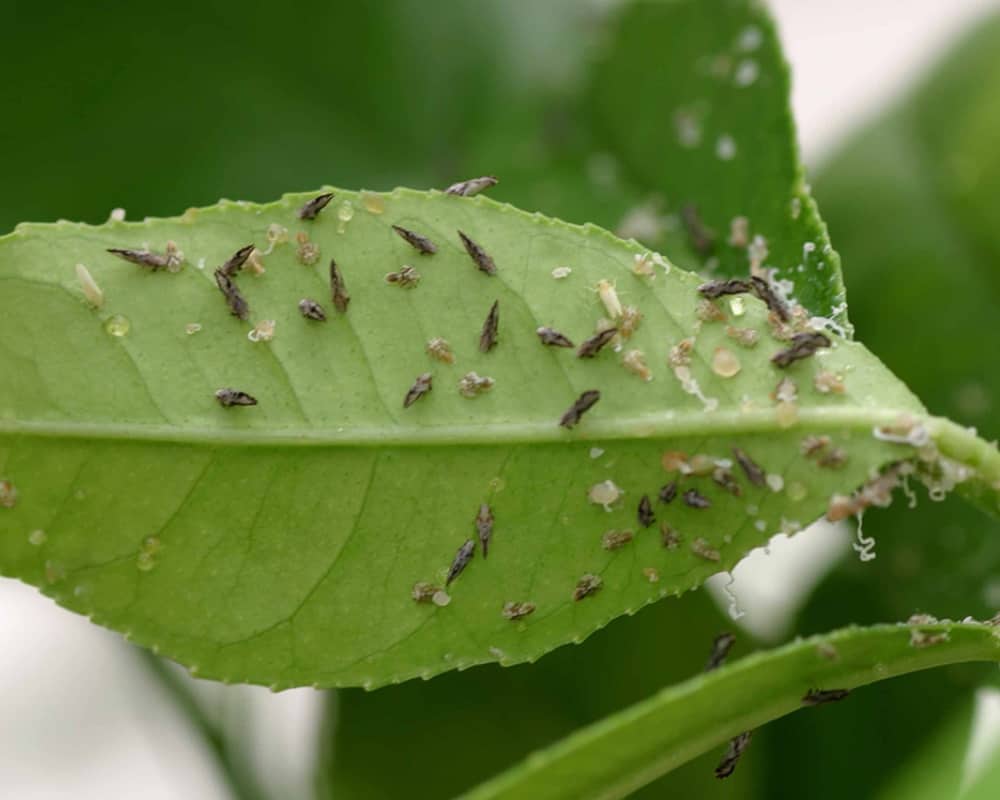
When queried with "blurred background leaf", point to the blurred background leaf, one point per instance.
{"points": [[159, 107], [906, 199], [693, 100]]}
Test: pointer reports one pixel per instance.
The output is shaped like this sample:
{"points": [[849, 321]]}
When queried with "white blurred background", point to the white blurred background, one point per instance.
{"points": [[73, 695]]}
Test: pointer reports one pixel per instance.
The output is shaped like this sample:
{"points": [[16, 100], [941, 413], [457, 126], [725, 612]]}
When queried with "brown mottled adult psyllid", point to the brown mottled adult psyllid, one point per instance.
{"points": [[236, 261], [736, 747], [753, 472], [314, 206], [461, 560], [645, 512], [581, 405], [721, 646], [668, 492], [766, 293], [818, 697], [338, 290], [471, 187], [479, 257], [421, 386], [802, 346], [695, 499], [552, 337], [714, 289], [170, 260], [234, 397], [312, 310], [238, 305], [595, 343], [421, 244], [488, 336]]}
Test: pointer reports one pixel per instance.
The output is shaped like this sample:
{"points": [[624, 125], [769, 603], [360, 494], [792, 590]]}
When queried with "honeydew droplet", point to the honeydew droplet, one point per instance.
{"points": [[145, 561], [373, 203], [775, 482], [38, 537], [151, 545], [725, 364], [786, 413], [441, 598], [117, 325], [796, 491], [345, 213]]}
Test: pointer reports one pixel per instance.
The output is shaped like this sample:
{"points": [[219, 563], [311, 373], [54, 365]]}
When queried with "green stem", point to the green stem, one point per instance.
{"points": [[241, 782], [623, 752]]}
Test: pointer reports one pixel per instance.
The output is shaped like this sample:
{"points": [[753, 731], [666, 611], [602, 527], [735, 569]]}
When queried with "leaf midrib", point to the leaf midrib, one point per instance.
{"points": [[652, 426]]}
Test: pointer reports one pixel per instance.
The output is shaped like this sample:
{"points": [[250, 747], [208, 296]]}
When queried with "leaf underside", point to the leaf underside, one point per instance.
{"points": [[290, 534]]}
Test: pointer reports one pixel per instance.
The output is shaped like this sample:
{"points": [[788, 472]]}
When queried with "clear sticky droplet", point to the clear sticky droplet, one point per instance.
{"points": [[117, 325], [786, 413], [345, 213], [38, 537], [373, 203], [145, 561], [796, 491]]}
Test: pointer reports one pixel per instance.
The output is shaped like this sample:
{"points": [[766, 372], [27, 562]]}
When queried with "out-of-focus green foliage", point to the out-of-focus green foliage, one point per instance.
{"points": [[906, 198]]}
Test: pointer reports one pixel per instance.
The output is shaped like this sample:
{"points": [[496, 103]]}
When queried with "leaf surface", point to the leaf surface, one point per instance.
{"points": [[288, 535]]}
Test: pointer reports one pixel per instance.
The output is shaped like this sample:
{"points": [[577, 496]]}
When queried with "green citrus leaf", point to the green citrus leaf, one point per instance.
{"points": [[625, 751], [280, 543], [704, 119]]}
